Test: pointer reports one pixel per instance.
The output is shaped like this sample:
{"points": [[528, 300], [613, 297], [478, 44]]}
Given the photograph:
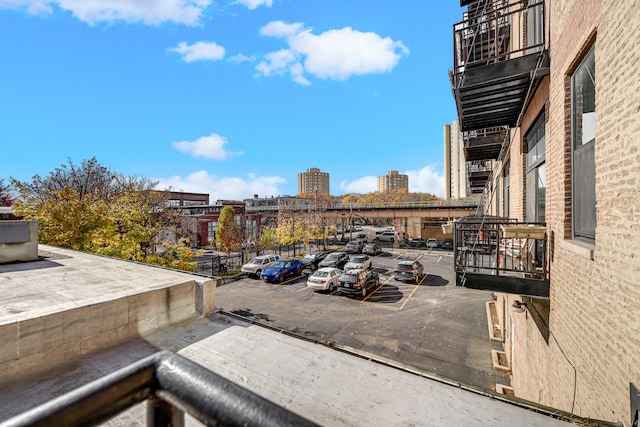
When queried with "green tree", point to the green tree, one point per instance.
{"points": [[229, 233]]}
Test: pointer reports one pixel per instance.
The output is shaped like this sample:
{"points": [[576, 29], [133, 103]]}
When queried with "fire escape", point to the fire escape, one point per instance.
{"points": [[499, 60]]}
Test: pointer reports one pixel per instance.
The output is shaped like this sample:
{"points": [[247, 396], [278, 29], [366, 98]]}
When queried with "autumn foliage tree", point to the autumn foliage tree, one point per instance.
{"points": [[88, 207], [229, 233], [6, 194]]}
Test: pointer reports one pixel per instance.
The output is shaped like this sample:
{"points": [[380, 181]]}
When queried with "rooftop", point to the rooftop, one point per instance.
{"points": [[327, 385]]}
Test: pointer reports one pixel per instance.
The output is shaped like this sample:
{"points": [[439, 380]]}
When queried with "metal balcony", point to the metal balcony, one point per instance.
{"points": [[501, 255], [499, 57], [484, 144]]}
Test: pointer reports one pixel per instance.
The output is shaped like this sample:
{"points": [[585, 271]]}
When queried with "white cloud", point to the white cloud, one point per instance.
{"points": [[234, 188], [32, 7], [152, 12], [242, 58], [199, 51], [366, 184], [253, 4], [334, 54], [426, 180], [209, 147]]}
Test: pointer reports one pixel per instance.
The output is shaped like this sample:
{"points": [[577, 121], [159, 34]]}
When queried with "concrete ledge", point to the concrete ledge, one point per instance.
{"points": [[584, 250], [495, 330], [35, 344], [500, 362]]}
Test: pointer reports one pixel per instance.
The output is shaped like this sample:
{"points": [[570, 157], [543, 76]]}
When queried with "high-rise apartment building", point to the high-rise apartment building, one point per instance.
{"points": [[393, 181], [313, 181], [455, 169]]}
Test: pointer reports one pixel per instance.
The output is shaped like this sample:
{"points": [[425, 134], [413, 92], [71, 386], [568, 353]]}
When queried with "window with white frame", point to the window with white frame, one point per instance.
{"points": [[583, 125]]}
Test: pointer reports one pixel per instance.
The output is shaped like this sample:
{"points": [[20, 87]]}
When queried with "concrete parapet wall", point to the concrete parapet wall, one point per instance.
{"points": [[18, 241], [33, 345]]}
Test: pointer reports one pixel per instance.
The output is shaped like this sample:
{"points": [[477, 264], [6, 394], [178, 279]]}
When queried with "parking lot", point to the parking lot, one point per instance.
{"points": [[431, 325]]}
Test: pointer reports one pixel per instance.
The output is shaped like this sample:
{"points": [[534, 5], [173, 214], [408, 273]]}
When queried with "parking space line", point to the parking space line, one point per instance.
{"points": [[414, 291], [439, 258]]}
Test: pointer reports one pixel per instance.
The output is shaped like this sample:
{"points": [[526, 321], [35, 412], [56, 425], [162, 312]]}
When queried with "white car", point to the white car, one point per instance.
{"points": [[358, 262], [258, 264], [432, 243], [324, 279]]}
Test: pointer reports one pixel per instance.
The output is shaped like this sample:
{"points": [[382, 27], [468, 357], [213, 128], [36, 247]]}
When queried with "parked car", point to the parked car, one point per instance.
{"points": [[386, 236], [447, 244], [361, 237], [281, 270], [358, 282], [324, 279], [312, 259], [335, 259], [354, 247], [357, 228], [362, 262], [432, 243], [409, 271], [417, 242], [258, 264], [372, 249]]}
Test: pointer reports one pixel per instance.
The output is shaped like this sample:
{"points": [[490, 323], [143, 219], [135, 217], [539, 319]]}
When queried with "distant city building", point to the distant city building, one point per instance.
{"points": [[456, 184], [313, 182], [393, 181]]}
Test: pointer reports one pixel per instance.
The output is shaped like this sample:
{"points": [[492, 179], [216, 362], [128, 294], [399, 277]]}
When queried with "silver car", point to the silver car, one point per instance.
{"points": [[324, 279], [358, 261]]}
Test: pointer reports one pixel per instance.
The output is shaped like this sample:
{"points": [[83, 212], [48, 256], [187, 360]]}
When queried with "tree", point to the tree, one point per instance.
{"points": [[229, 233], [6, 194], [268, 237], [90, 208]]}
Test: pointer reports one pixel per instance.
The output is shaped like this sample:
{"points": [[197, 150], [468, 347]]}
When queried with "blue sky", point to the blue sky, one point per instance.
{"points": [[231, 98]]}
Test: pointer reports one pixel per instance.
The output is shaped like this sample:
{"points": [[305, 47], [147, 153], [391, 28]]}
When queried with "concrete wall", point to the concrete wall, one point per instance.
{"points": [[36, 344], [18, 241]]}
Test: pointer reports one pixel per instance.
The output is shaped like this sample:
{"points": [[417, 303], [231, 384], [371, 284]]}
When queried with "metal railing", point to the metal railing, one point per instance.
{"points": [[486, 247], [172, 386], [510, 31], [432, 204]]}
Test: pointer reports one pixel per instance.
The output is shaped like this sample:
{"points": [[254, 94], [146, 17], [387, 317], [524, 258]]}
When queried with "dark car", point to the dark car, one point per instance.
{"points": [[447, 244], [372, 249], [417, 242], [312, 259], [408, 271], [335, 259], [357, 283], [354, 247], [282, 269]]}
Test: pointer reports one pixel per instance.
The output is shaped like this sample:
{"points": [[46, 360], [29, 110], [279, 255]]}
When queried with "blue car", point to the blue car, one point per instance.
{"points": [[282, 269]]}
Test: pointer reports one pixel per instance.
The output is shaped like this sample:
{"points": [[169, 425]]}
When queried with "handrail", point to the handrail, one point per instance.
{"points": [[460, 203], [489, 25], [173, 385]]}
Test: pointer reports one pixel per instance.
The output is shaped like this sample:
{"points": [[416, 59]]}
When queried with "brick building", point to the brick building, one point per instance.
{"points": [[549, 92], [313, 181], [392, 181]]}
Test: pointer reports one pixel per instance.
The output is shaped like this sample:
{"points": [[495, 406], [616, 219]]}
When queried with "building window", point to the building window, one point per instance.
{"points": [[536, 172], [507, 190], [583, 124], [211, 229]]}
